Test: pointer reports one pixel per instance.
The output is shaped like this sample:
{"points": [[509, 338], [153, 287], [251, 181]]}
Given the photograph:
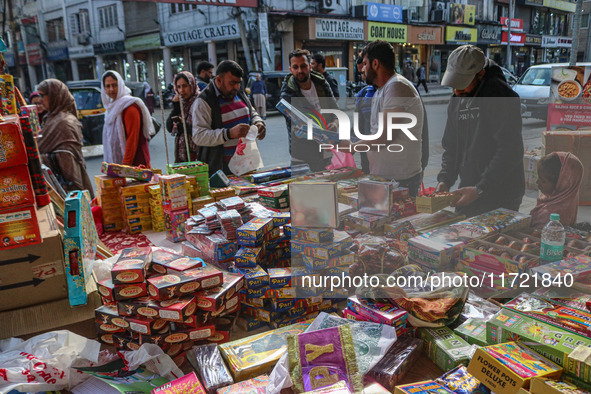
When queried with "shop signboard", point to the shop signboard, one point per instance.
{"points": [[81, 52], [230, 3], [225, 31], [142, 43], [383, 12], [516, 24], [461, 35], [462, 14], [560, 5], [432, 35], [517, 39], [108, 48], [533, 40], [489, 34], [535, 3], [339, 29], [390, 32], [556, 42], [34, 54], [57, 51], [570, 98]]}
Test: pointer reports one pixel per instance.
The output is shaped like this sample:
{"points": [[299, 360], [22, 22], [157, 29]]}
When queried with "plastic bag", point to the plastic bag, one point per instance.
{"points": [[246, 158], [340, 160], [153, 358], [44, 362]]}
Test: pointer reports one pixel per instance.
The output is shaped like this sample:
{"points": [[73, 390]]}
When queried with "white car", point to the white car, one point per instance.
{"points": [[534, 89]]}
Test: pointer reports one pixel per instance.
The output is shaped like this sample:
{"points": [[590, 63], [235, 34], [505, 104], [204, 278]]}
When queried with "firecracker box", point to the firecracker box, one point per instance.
{"points": [[15, 187], [249, 257], [132, 265], [108, 329], [551, 342], [578, 363], [425, 387], [248, 323], [30, 111], [325, 251], [111, 292], [384, 313], [105, 182], [280, 278], [215, 246], [123, 171], [253, 232], [188, 384], [435, 202], [176, 310], [506, 367], [175, 224], [113, 226], [446, 349], [135, 189], [553, 313], [164, 261], [315, 265], [12, 147], [186, 282], [108, 314], [579, 267], [138, 221], [147, 326], [254, 278], [214, 299], [8, 97], [280, 218], [550, 386], [19, 227], [313, 235], [473, 331], [80, 240]]}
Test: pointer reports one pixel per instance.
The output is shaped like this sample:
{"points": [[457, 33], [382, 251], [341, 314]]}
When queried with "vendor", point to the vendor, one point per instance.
{"points": [[559, 180]]}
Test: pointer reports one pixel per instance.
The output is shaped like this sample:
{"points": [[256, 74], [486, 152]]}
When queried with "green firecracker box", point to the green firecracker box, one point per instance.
{"points": [[446, 349], [473, 331]]}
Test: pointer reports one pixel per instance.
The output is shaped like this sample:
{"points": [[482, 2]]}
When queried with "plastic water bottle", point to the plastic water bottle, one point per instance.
{"points": [[553, 236]]}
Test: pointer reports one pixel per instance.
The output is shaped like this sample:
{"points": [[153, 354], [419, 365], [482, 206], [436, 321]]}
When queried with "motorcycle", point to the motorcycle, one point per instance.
{"points": [[354, 88]]}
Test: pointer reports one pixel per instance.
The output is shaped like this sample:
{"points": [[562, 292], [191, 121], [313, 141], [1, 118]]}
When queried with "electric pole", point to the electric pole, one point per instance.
{"points": [[13, 30], [511, 14], [576, 22]]}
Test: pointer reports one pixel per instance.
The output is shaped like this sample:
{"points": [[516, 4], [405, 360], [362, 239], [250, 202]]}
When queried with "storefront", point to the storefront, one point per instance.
{"points": [[82, 57], [534, 42], [489, 39], [454, 37], [110, 56], [557, 49], [57, 54], [421, 40], [145, 52], [394, 33], [519, 52]]}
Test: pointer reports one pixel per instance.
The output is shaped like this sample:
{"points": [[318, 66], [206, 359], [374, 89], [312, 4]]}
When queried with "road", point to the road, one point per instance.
{"points": [[275, 150]]}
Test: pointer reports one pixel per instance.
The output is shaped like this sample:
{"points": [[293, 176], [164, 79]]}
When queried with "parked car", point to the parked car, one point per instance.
{"points": [[534, 89], [509, 76], [273, 81], [91, 113]]}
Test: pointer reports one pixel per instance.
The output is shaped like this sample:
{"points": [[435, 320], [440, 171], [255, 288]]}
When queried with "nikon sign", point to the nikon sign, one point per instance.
{"points": [[460, 35], [226, 31]]}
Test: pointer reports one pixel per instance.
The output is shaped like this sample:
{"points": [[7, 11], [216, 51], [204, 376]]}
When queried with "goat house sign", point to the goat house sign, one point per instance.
{"points": [[228, 3]]}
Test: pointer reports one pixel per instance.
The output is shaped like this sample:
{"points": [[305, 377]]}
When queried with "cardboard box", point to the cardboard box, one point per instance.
{"points": [[384, 313], [313, 235], [473, 331], [254, 278], [579, 144], [132, 265], [549, 386], [446, 349], [109, 182], [186, 384], [80, 240], [184, 283], [578, 363], [123, 171], [12, 146], [214, 299], [34, 274], [549, 341], [252, 233], [506, 367], [249, 257], [48, 316], [425, 387]]}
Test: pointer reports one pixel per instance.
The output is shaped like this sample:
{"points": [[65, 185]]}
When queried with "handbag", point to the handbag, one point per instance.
{"points": [[157, 126]]}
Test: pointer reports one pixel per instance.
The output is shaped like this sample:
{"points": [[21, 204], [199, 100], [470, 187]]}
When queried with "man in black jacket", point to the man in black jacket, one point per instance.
{"points": [[482, 141], [318, 64], [303, 82]]}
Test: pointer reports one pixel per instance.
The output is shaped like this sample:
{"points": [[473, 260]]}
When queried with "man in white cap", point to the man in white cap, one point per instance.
{"points": [[482, 140]]}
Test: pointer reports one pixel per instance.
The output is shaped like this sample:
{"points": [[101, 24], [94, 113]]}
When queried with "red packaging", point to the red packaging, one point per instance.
{"points": [[105, 288], [187, 282], [146, 326], [108, 314], [178, 310], [125, 342], [103, 328], [19, 227], [186, 384], [214, 299], [111, 292], [164, 262], [12, 146], [139, 307], [132, 265], [191, 334], [15, 187]]}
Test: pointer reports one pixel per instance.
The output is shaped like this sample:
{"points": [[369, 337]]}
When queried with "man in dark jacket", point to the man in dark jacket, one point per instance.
{"points": [[302, 82], [318, 64], [222, 114], [482, 141]]}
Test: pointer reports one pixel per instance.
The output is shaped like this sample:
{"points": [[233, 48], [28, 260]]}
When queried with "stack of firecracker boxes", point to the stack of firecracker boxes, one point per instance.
{"points": [[159, 297]]}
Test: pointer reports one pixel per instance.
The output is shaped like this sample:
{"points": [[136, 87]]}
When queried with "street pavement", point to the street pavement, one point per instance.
{"points": [[275, 150]]}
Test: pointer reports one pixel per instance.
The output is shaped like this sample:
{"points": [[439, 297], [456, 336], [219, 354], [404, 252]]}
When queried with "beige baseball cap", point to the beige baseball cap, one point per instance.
{"points": [[462, 66]]}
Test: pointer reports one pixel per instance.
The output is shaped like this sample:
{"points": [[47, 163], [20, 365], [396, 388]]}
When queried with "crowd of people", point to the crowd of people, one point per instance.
{"points": [[482, 141]]}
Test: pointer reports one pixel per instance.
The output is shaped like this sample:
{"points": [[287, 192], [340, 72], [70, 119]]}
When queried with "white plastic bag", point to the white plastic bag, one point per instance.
{"points": [[43, 363], [246, 158], [153, 358]]}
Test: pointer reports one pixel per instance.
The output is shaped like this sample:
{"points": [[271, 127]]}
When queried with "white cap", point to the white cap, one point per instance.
{"points": [[462, 66]]}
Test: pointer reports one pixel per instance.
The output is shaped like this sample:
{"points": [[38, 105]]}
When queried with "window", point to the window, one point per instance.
{"points": [[536, 77], [585, 21], [176, 8], [80, 23], [55, 30], [108, 16]]}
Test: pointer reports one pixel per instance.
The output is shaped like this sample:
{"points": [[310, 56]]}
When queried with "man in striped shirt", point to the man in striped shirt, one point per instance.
{"points": [[222, 114]]}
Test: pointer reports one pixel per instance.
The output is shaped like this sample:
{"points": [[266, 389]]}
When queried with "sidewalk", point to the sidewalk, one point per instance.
{"points": [[437, 94]]}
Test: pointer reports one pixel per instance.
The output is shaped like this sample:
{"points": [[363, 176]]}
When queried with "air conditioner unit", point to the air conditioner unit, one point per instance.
{"points": [[328, 5], [83, 39], [438, 16]]}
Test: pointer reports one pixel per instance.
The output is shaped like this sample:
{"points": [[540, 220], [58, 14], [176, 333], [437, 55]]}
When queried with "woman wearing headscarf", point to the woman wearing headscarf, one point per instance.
{"points": [[559, 180], [36, 99], [186, 91], [128, 123], [60, 144]]}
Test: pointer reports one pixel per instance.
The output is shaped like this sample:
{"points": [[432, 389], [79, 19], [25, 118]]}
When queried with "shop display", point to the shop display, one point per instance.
{"points": [[210, 367], [396, 362]]}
